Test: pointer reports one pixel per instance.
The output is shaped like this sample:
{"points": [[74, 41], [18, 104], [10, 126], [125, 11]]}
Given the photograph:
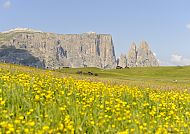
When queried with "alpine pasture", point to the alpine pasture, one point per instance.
{"points": [[139, 100]]}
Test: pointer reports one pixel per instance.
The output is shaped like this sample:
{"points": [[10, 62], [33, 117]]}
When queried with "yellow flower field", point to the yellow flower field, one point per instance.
{"points": [[44, 103]]}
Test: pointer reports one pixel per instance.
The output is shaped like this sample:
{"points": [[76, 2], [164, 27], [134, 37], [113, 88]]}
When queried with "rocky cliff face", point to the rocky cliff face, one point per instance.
{"points": [[122, 61], [49, 50], [145, 56], [142, 56], [132, 56]]}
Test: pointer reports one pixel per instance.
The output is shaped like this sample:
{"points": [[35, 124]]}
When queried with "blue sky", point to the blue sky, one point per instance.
{"points": [[164, 24]]}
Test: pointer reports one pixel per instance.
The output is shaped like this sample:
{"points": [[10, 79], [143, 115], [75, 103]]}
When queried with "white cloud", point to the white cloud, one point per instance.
{"points": [[7, 4], [179, 60], [188, 26]]}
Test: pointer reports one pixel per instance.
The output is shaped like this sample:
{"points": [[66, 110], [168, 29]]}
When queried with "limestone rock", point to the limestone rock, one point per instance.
{"points": [[145, 57], [56, 50], [122, 61], [132, 56], [142, 56]]}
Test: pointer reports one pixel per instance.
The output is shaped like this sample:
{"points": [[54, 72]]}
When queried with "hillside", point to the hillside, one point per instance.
{"points": [[114, 101], [153, 77], [173, 73], [164, 77]]}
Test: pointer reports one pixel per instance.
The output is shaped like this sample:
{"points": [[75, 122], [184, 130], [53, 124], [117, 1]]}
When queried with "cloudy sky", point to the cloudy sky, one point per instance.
{"points": [[164, 24]]}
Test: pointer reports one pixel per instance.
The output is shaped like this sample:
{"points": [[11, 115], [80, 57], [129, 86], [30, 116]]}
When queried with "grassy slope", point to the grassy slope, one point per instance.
{"points": [[154, 77], [169, 73]]}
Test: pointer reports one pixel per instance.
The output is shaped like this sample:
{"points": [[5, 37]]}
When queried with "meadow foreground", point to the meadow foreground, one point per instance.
{"points": [[45, 103]]}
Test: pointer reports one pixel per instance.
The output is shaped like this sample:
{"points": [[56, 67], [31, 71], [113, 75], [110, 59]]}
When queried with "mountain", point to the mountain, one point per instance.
{"points": [[132, 56], [122, 61], [49, 50], [142, 56]]}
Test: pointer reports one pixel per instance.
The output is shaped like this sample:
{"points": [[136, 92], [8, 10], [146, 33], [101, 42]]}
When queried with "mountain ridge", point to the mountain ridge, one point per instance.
{"points": [[53, 50], [62, 50]]}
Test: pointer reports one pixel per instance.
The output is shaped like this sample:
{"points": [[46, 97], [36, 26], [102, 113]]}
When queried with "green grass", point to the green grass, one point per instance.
{"points": [[41, 101], [173, 73], [154, 77], [9, 36]]}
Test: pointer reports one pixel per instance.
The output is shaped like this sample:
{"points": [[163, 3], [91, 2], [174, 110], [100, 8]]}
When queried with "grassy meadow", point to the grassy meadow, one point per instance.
{"points": [[152, 77], [135, 100]]}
